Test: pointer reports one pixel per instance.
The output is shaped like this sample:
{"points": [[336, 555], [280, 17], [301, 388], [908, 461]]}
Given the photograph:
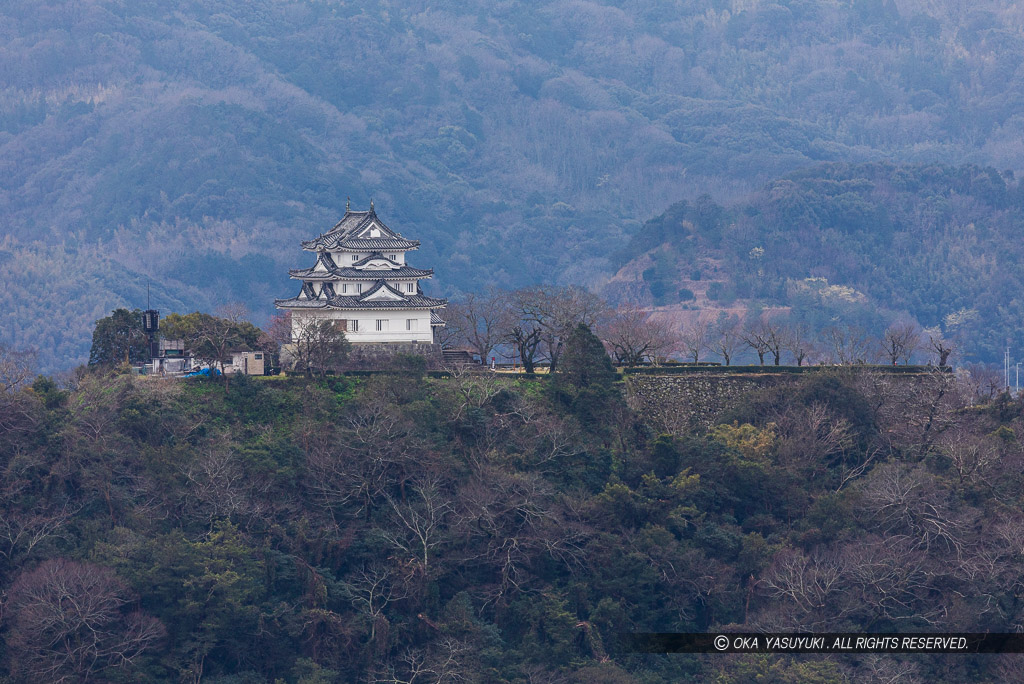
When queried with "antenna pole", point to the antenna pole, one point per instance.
{"points": [[1006, 369]]}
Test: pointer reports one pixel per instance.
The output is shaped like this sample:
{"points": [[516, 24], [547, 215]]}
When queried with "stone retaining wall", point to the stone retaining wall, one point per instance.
{"points": [[696, 401], [371, 356], [678, 403]]}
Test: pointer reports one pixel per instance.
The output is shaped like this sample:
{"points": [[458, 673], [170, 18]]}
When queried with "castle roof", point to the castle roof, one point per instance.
{"points": [[361, 231], [371, 267], [350, 273], [380, 296]]}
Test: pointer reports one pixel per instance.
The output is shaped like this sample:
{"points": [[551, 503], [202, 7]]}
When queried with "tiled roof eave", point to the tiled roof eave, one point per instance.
{"points": [[417, 302], [377, 306], [374, 256], [403, 273], [361, 244], [363, 306], [295, 303]]}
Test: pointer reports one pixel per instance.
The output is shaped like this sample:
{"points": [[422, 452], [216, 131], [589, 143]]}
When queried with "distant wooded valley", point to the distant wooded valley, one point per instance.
{"points": [[194, 146]]}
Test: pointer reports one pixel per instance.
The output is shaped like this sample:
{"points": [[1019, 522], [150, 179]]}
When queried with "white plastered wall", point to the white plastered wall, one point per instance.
{"points": [[395, 324]]}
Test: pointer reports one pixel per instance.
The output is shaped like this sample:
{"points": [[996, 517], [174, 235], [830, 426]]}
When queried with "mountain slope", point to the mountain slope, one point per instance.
{"points": [[519, 143], [862, 244]]}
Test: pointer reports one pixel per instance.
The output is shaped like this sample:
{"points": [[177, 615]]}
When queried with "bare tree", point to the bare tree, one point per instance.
{"points": [[554, 312], [479, 322], [70, 623], [525, 338], [796, 339], [914, 415], [24, 527], [327, 634], [767, 335], [20, 411], [900, 341], [213, 337], [95, 408], [277, 334], [633, 336], [848, 344], [776, 339], [421, 520], [696, 337], [939, 345], [908, 503], [985, 382], [443, 662], [510, 518], [759, 335], [371, 590], [727, 337], [972, 456], [544, 442], [808, 588], [450, 334], [374, 451], [810, 436], [468, 391], [219, 488], [892, 580], [17, 367], [320, 346], [884, 669], [877, 579]]}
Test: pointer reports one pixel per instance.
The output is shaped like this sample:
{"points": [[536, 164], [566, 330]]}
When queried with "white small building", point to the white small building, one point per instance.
{"points": [[362, 280], [247, 363], [171, 359]]}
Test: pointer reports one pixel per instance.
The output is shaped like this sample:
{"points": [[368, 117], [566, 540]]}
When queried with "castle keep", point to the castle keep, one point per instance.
{"points": [[361, 279]]}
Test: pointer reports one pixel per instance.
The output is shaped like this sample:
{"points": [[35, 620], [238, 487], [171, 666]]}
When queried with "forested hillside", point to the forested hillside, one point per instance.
{"points": [[860, 244], [197, 142], [481, 528]]}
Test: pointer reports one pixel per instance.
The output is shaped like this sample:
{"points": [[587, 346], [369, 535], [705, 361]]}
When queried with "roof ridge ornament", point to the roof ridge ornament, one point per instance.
{"points": [[348, 204]]}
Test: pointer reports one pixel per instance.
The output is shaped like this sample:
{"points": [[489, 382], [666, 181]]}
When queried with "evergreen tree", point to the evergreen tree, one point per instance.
{"points": [[119, 338], [584, 361], [584, 381]]}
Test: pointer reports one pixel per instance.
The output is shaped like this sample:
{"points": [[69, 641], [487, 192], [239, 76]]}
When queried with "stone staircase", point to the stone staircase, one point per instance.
{"points": [[457, 357]]}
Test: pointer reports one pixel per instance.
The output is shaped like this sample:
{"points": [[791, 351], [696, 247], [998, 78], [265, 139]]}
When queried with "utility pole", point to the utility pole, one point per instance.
{"points": [[1006, 369]]}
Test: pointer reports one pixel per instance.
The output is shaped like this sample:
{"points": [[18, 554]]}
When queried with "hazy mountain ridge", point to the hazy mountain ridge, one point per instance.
{"points": [[857, 244], [518, 145]]}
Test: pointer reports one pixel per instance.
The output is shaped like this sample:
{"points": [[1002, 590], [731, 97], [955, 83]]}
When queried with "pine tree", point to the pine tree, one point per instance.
{"points": [[584, 382], [584, 361]]}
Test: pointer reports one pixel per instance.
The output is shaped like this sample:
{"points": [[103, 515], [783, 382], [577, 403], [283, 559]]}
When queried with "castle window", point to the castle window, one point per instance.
{"points": [[408, 287], [355, 257], [382, 325], [353, 325]]}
